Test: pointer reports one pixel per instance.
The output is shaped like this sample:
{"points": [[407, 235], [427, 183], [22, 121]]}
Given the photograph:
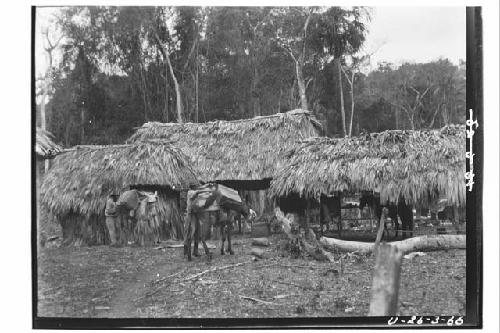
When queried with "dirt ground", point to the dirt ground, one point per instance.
{"points": [[103, 281]]}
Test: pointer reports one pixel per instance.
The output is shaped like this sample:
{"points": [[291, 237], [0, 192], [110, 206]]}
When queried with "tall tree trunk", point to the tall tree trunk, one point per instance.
{"points": [[352, 103], [43, 117], [143, 89], [411, 118], [82, 126], [298, 67], [178, 94], [279, 100], [291, 100], [196, 86], [342, 109], [301, 85], [396, 116], [165, 112], [255, 96], [66, 133]]}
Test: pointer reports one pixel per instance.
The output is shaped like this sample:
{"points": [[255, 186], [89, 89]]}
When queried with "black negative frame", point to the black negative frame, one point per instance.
{"points": [[474, 230]]}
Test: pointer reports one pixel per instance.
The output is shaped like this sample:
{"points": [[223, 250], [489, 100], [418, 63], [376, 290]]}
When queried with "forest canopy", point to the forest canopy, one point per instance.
{"points": [[124, 66]]}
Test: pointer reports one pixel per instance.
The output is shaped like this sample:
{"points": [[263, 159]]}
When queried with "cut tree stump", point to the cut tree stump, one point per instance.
{"points": [[309, 245], [421, 243]]}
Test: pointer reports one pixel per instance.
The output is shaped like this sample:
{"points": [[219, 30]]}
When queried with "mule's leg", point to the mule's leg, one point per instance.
{"points": [[187, 246], [205, 247], [203, 223], [223, 238], [196, 234], [187, 237], [238, 219], [229, 249]]}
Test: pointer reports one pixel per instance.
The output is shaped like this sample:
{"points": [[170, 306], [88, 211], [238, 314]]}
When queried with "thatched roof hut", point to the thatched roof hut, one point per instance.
{"points": [[77, 185], [45, 147], [418, 165], [243, 150], [82, 178]]}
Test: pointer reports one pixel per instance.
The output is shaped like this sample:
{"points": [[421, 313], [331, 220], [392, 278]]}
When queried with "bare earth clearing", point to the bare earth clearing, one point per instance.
{"points": [[133, 282]]}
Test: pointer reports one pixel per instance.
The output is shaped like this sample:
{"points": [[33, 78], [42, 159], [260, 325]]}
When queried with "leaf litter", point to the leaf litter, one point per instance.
{"points": [[140, 282]]}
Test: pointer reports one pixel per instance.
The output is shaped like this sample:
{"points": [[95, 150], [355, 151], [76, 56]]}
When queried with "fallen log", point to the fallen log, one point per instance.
{"points": [[421, 243]]}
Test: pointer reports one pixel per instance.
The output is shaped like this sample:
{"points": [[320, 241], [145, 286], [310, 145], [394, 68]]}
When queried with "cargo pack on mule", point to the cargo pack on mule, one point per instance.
{"points": [[137, 217], [207, 198]]}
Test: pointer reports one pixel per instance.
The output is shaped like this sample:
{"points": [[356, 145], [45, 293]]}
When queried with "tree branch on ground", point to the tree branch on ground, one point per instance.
{"points": [[421, 243]]}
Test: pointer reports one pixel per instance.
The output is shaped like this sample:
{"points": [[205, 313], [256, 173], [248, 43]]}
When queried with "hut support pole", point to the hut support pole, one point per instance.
{"points": [[339, 225], [371, 218], [308, 215], [455, 215], [385, 286], [321, 216]]}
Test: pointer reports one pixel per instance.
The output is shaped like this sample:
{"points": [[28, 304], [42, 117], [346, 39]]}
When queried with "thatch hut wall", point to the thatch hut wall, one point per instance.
{"points": [[417, 165], [242, 154], [76, 188], [45, 149]]}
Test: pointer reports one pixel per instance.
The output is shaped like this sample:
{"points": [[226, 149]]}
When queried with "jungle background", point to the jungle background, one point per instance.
{"points": [[122, 66]]}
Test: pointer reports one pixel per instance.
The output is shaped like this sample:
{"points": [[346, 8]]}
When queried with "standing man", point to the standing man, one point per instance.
{"points": [[111, 217]]}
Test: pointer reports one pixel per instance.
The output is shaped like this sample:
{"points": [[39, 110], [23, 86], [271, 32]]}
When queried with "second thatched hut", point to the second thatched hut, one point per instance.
{"points": [[242, 154], [419, 166], [76, 187]]}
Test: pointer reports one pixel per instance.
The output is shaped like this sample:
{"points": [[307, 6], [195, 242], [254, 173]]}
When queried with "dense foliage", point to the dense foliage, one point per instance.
{"points": [[123, 66]]}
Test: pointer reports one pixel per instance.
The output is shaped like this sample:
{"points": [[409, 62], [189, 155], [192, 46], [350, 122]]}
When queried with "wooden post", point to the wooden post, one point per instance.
{"points": [[381, 226], [371, 218], [339, 206], [455, 215], [308, 216], [385, 285]]}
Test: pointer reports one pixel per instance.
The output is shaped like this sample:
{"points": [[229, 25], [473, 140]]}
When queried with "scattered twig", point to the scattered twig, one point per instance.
{"points": [[297, 266], [283, 296], [152, 293], [354, 272], [285, 265], [256, 300], [268, 265], [296, 285], [166, 277], [192, 277]]}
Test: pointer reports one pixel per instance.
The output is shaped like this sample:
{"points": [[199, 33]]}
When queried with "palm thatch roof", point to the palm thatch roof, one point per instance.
{"points": [[82, 178], [416, 164], [44, 145], [247, 149]]}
